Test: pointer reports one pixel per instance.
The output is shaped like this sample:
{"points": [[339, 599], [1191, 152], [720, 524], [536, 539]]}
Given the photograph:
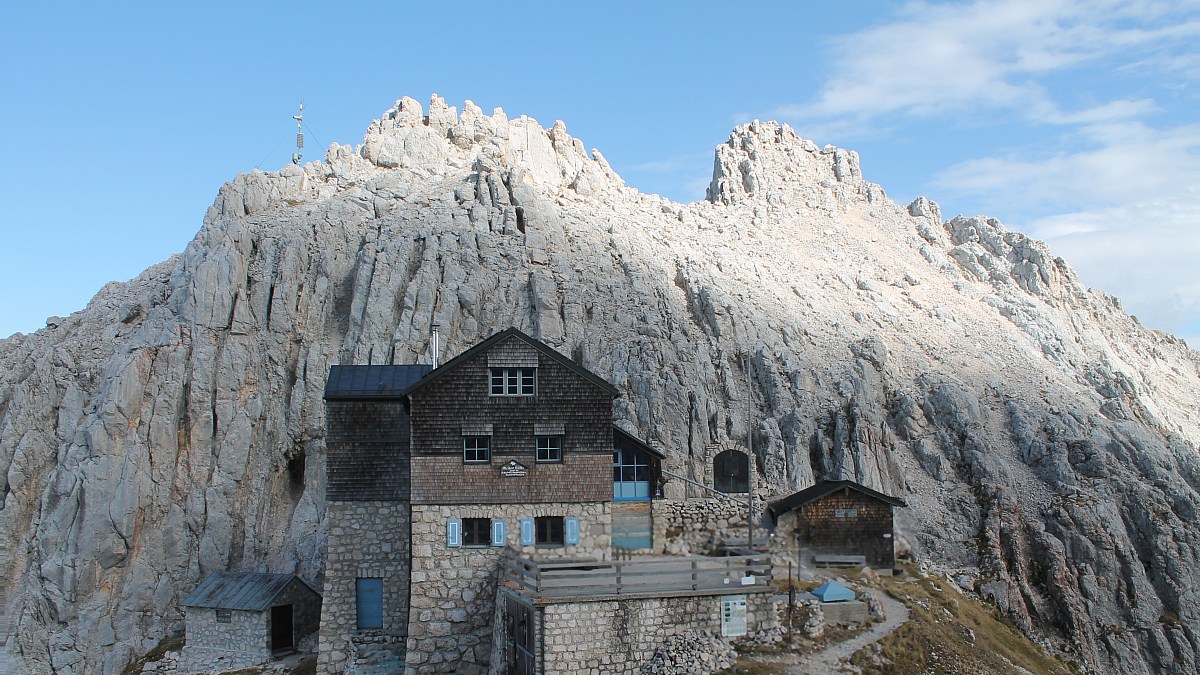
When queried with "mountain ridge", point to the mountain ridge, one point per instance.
{"points": [[174, 426]]}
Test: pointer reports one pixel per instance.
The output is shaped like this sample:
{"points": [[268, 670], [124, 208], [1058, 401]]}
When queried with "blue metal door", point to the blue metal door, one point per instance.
{"points": [[369, 593]]}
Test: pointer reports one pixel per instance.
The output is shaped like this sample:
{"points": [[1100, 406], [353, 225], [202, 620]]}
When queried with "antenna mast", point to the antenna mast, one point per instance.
{"points": [[299, 153]]}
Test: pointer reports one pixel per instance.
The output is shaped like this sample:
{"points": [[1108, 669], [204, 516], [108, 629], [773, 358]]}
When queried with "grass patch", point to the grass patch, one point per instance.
{"points": [[948, 632]]}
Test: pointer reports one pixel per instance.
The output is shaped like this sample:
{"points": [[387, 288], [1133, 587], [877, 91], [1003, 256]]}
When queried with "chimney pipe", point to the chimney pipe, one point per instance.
{"points": [[435, 344]]}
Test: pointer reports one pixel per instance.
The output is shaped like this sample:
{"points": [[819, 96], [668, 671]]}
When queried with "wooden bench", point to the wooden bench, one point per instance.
{"points": [[840, 560]]}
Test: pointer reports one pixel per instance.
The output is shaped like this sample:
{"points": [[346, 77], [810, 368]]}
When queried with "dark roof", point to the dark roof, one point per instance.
{"points": [[254, 591], [349, 382], [822, 488], [534, 342], [621, 434]]}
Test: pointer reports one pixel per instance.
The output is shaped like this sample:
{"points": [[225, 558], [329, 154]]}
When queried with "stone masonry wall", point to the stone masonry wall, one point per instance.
{"points": [[210, 646], [617, 636], [454, 589], [366, 539], [696, 526]]}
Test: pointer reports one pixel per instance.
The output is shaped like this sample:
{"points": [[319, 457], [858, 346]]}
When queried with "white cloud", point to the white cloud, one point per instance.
{"points": [[939, 59], [1123, 162], [1125, 212]]}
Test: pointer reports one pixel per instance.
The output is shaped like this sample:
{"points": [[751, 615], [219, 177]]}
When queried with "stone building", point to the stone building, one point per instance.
{"points": [[434, 473], [836, 522], [240, 619], [364, 619]]}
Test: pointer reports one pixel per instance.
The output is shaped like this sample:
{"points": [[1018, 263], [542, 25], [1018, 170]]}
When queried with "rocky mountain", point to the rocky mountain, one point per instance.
{"points": [[1045, 441]]}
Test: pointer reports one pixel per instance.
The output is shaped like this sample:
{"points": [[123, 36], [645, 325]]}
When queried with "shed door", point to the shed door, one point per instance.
{"points": [[631, 525], [281, 627], [369, 593]]}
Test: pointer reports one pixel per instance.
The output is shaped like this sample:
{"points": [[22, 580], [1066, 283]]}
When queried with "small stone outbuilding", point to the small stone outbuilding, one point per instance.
{"points": [[241, 619], [834, 522]]}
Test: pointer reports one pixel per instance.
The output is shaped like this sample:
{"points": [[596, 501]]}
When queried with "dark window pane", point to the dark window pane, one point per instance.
{"points": [[549, 530], [477, 531], [477, 448]]}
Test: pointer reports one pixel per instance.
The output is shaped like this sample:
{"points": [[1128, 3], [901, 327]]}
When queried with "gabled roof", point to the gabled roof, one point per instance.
{"points": [[535, 343], [621, 434], [253, 591], [355, 382], [822, 488]]}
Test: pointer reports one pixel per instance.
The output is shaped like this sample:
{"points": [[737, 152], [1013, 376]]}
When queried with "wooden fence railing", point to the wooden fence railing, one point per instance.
{"points": [[568, 578]]}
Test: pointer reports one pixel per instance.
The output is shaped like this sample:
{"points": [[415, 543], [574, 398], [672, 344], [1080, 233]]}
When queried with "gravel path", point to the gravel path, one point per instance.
{"points": [[830, 660]]}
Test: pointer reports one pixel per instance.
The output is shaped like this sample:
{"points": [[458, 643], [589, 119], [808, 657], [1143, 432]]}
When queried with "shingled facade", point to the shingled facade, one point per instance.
{"points": [[837, 518], [432, 473]]}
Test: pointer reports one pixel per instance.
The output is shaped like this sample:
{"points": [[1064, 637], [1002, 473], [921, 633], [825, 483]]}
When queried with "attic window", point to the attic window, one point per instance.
{"points": [[513, 381]]}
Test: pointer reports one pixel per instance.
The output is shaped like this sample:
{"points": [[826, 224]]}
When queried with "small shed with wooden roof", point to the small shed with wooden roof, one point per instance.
{"points": [[241, 619], [837, 523]]}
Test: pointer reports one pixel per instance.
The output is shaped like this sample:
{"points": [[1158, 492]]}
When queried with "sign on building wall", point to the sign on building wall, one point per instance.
{"points": [[733, 615], [513, 469]]}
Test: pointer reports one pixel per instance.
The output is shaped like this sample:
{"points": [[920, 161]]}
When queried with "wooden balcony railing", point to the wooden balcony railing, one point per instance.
{"points": [[642, 576]]}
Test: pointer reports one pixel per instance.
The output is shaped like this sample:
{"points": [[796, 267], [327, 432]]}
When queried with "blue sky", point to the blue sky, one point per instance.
{"points": [[1073, 121]]}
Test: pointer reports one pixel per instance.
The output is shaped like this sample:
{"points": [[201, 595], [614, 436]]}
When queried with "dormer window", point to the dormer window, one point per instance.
{"points": [[514, 381]]}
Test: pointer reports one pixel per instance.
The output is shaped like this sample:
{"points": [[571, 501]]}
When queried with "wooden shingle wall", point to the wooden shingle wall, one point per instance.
{"points": [[460, 400], [513, 353], [859, 530], [367, 450]]}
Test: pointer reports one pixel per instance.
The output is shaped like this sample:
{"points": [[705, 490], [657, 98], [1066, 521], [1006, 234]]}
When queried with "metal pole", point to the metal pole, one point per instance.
{"points": [[749, 457]]}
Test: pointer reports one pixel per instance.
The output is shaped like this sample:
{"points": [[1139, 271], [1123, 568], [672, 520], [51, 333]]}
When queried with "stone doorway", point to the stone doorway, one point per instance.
{"points": [[282, 633]]}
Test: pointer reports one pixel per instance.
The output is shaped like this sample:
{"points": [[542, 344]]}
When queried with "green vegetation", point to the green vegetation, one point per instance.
{"points": [[948, 633]]}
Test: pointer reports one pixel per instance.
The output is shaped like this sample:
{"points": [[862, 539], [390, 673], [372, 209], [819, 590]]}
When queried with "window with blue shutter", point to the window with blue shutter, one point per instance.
{"points": [[499, 533], [571, 530], [527, 531], [454, 532]]}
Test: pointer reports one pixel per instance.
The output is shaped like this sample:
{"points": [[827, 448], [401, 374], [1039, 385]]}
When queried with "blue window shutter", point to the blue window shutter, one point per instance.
{"points": [[454, 532], [527, 531], [571, 530], [499, 533]]}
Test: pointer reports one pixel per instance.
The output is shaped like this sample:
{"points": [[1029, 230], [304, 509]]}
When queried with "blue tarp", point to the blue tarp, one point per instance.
{"points": [[832, 591]]}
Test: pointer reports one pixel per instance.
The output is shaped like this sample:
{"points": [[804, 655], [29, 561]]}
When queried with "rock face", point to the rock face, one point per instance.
{"points": [[174, 427]]}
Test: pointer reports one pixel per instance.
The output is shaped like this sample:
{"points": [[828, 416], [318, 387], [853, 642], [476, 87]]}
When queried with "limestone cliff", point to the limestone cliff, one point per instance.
{"points": [[174, 426]]}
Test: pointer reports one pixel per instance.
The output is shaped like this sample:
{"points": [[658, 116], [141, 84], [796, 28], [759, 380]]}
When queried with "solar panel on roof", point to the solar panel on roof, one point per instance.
{"points": [[373, 381]]}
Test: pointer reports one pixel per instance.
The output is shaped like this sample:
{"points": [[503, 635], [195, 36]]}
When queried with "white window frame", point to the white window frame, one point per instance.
{"points": [[512, 381]]}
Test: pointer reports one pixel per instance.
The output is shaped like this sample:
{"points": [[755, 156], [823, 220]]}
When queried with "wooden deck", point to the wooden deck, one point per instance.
{"points": [[643, 576]]}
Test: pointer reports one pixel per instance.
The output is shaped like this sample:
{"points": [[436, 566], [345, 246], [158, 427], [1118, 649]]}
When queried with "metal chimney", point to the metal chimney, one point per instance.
{"points": [[435, 344]]}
